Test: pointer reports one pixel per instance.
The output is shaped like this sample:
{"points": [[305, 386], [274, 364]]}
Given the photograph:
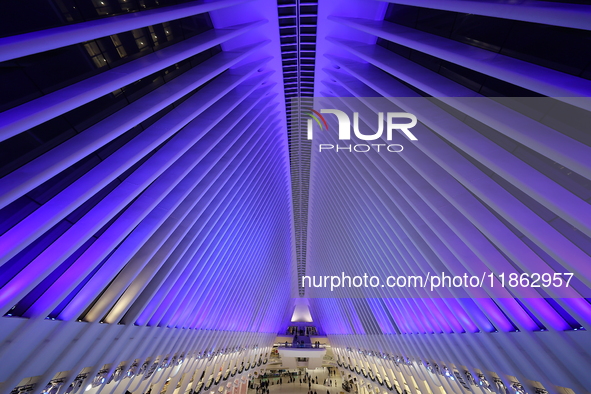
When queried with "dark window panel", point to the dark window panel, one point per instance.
{"points": [[17, 88], [402, 14], [431, 62], [553, 47], [308, 20], [22, 148], [308, 30], [14, 148], [287, 22], [288, 40], [53, 70], [308, 9], [482, 31], [286, 11], [16, 16], [31, 76], [287, 31], [436, 22]]}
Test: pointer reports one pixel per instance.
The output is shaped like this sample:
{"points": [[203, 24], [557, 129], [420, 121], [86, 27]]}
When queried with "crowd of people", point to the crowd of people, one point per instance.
{"points": [[328, 382], [262, 387]]}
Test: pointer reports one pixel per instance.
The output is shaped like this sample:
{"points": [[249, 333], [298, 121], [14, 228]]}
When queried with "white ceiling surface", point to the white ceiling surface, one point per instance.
{"points": [[373, 10], [252, 11]]}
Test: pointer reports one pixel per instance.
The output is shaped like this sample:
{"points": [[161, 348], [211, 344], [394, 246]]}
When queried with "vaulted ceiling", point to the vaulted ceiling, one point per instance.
{"points": [[162, 204]]}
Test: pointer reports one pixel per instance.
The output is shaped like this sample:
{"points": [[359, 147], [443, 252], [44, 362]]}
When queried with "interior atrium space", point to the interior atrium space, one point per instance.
{"points": [[295, 196]]}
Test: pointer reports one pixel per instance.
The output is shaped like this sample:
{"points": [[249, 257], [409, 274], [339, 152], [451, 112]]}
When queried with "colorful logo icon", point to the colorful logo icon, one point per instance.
{"points": [[317, 116]]}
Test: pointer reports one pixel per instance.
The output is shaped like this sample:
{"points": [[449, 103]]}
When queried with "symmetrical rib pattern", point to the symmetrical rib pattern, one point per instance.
{"points": [[491, 186], [157, 180], [146, 215]]}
